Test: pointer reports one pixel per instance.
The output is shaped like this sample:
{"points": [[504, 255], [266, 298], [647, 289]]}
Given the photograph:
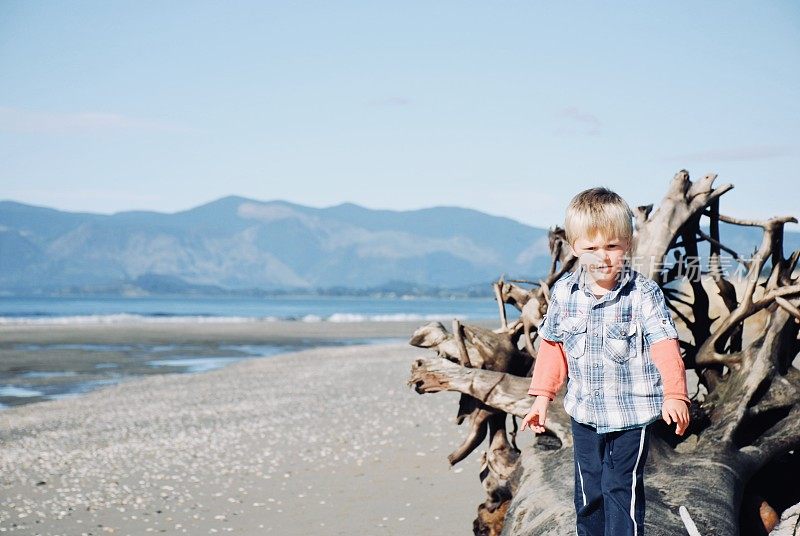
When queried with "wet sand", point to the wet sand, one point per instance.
{"points": [[44, 362], [323, 441]]}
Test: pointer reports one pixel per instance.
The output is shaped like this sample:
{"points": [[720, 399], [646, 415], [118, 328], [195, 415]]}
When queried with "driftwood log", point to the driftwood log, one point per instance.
{"points": [[737, 468]]}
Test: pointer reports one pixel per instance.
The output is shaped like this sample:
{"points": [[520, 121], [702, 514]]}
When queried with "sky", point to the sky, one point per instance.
{"points": [[507, 107]]}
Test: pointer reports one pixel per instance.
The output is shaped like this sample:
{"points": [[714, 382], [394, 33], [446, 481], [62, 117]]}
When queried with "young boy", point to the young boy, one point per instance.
{"points": [[609, 330]]}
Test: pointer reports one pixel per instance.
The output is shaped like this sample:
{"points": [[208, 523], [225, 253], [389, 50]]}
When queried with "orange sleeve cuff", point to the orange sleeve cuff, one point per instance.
{"points": [[550, 370], [666, 355]]}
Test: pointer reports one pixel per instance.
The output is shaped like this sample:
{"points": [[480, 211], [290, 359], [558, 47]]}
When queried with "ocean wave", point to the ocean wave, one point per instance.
{"points": [[126, 318], [395, 317], [123, 318]]}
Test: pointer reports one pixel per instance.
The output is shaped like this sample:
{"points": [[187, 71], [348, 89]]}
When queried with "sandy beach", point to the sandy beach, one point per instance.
{"points": [[323, 441]]}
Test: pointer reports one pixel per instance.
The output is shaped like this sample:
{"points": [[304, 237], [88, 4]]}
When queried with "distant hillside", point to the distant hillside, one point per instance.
{"points": [[239, 245]]}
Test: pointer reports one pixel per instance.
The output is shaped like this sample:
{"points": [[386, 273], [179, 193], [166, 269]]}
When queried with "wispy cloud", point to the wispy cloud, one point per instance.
{"points": [[392, 101], [746, 152], [574, 121], [31, 121]]}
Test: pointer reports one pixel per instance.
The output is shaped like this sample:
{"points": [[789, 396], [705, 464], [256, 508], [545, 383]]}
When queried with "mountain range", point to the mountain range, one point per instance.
{"points": [[240, 245], [237, 244]]}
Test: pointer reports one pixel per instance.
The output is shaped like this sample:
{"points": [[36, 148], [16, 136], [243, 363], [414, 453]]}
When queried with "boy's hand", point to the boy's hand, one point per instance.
{"points": [[678, 412], [537, 415]]}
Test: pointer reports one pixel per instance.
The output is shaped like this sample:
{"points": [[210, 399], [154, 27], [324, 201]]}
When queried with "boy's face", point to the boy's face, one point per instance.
{"points": [[602, 257]]}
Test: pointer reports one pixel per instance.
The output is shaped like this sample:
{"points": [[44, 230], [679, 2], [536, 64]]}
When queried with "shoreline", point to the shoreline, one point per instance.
{"points": [[44, 362], [209, 331]]}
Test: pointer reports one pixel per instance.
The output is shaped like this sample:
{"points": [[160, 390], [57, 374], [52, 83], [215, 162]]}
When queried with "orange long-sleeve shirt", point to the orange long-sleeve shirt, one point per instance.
{"points": [[551, 369]]}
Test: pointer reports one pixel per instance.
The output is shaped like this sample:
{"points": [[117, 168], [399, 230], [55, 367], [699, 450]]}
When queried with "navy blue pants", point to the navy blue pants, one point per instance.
{"points": [[609, 480]]}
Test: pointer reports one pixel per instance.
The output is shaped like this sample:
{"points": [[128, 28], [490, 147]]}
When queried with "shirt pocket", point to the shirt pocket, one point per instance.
{"points": [[573, 334], [620, 341]]}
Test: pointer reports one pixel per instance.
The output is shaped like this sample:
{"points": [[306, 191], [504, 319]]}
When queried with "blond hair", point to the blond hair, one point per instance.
{"points": [[598, 211]]}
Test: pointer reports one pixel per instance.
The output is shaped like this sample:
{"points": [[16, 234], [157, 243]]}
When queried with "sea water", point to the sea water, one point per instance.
{"points": [[28, 310]]}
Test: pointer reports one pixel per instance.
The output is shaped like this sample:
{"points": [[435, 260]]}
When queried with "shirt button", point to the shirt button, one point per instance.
{"points": [[597, 393]]}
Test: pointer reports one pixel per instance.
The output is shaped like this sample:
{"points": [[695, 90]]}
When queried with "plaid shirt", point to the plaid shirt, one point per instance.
{"points": [[613, 382]]}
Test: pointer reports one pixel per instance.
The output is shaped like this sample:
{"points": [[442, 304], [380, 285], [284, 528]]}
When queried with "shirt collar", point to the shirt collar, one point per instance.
{"points": [[625, 275]]}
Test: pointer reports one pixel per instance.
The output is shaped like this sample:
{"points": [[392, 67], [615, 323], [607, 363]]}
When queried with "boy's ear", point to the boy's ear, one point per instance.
{"points": [[571, 249], [629, 246]]}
